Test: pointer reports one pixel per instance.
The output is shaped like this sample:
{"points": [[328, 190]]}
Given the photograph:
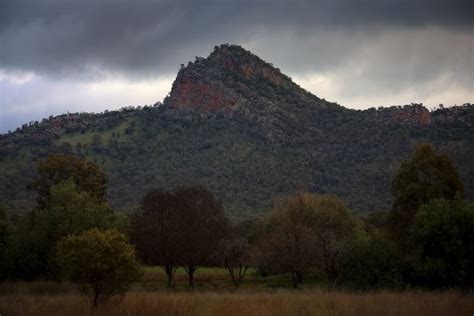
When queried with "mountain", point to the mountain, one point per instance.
{"points": [[237, 125]]}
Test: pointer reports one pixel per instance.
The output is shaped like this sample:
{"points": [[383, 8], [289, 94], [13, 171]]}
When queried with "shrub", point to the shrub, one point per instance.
{"points": [[102, 262]]}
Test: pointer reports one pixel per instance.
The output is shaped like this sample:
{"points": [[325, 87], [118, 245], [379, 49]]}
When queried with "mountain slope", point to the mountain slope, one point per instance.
{"points": [[239, 126]]}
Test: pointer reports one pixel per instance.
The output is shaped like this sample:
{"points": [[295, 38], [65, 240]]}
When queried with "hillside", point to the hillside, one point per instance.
{"points": [[239, 126]]}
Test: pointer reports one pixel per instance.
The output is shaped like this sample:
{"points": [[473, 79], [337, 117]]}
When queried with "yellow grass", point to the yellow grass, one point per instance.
{"points": [[310, 302]]}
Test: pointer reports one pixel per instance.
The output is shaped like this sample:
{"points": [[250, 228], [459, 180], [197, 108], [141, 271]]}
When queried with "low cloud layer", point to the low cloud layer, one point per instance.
{"points": [[59, 56]]}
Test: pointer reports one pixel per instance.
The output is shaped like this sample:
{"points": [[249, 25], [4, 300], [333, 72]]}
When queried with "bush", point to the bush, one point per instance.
{"points": [[102, 262], [373, 263], [444, 234]]}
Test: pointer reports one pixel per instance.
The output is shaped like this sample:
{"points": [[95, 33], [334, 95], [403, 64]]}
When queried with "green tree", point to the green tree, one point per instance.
{"points": [[289, 245], [69, 211], [444, 234], [57, 168], [375, 222], [96, 143], [102, 262], [4, 231], [96, 140], [309, 230], [373, 263], [251, 229], [425, 177], [335, 230], [26, 254]]}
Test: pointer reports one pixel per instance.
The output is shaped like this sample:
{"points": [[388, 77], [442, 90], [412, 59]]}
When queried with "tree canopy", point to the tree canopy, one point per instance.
{"points": [[444, 234], [155, 231], [179, 227], [102, 262], [57, 168], [426, 176], [308, 230]]}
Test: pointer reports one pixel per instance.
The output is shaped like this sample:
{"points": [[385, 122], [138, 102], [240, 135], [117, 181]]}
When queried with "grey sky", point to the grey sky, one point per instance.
{"points": [[58, 56]]}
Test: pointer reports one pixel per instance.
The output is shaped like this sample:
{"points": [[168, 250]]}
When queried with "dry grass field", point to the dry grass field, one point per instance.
{"points": [[215, 295], [310, 302]]}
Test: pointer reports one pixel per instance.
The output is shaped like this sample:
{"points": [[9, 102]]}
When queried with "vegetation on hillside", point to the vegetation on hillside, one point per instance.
{"points": [[237, 125], [306, 237]]}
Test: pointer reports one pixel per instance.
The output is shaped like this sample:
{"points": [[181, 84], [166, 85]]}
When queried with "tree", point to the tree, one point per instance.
{"points": [[234, 253], [179, 227], [373, 263], [237, 251], [155, 231], [425, 177], [289, 246], [102, 262], [334, 229], [202, 225], [96, 143], [25, 253], [251, 229], [69, 211], [57, 168], [308, 230], [3, 239], [375, 222], [443, 231]]}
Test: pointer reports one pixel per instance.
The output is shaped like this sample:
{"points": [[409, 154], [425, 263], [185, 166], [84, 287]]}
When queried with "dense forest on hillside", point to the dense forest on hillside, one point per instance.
{"points": [[425, 240], [234, 123]]}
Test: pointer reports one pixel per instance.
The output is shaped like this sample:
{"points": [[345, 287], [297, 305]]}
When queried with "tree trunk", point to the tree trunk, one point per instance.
{"points": [[169, 270], [294, 279], [299, 276], [232, 275], [242, 271], [191, 269], [95, 302]]}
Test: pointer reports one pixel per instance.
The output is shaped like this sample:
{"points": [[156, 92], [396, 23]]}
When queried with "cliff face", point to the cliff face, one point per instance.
{"points": [[415, 115], [234, 82], [190, 93]]}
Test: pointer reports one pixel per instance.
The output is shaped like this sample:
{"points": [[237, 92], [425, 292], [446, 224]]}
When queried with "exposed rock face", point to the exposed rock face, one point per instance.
{"points": [[234, 82], [190, 93], [415, 115]]}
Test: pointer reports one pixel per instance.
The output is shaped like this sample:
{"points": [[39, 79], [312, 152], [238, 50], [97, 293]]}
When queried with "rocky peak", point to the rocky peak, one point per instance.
{"points": [[232, 81], [242, 62]]}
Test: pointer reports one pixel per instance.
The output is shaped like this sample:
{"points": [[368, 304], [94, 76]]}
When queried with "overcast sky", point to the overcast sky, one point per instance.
{"points": [[63, 55]]}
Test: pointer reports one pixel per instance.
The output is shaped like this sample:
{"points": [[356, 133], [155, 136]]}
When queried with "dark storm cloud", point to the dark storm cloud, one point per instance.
{"points": [[143, 38]]}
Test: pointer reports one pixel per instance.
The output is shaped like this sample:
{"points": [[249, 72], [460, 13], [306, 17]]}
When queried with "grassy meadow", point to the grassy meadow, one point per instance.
{"points": [[214, 294], [86, 138]]}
